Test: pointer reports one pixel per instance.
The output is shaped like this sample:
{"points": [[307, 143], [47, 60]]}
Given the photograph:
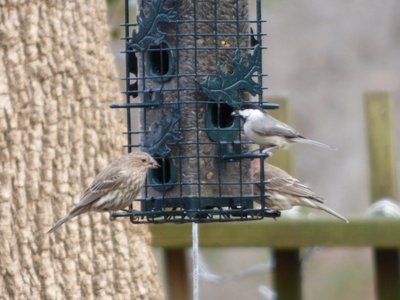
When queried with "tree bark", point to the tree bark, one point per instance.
{"points": [[57, 80]]}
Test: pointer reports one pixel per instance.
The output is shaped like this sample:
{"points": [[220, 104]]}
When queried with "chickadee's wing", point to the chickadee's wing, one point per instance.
{"points": [[274, 127], [293, 187]]}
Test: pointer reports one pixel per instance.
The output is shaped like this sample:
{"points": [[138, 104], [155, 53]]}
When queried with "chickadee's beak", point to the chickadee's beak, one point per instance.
{"points": [[235, 113]]}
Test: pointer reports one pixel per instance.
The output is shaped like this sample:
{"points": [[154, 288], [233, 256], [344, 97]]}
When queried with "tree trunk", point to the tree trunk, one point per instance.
{"points": [[57, 80]]}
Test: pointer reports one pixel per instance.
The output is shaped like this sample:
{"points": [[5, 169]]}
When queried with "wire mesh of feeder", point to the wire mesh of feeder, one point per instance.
{"points": [[189, 65]]}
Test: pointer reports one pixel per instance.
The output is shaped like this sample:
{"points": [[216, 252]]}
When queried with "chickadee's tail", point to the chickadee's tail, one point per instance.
{"points": [[321, 206], [73, 213], [312, 142]]}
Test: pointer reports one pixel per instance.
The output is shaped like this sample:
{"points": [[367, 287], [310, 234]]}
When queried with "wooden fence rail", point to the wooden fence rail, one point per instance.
{"points": [[383, 184], [287, 236]]}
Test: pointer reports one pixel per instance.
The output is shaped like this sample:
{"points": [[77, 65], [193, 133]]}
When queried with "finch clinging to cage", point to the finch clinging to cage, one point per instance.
{"points": [[268, 132], [286, 191], [115, 187]]}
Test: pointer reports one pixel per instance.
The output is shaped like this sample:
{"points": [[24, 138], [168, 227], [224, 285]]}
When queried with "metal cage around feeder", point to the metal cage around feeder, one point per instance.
{"points": [[189, 65]]}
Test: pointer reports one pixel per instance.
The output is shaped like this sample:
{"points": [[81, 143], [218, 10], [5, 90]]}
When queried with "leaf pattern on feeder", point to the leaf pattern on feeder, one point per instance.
{"points": [[163, 133], [226, 87], [149, 32]]}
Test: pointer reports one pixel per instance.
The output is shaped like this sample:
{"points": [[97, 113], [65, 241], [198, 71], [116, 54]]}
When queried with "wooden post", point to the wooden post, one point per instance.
{"points": [[287, 277], [383, 184], [178, 283]]}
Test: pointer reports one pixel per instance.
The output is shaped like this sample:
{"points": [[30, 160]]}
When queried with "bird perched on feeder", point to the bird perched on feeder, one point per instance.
{"points": [[115, 187], [286, 191], [268, 132]]}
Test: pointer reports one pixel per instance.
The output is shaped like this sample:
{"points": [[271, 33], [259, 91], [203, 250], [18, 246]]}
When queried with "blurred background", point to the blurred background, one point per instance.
{"points": [[323, 56]]}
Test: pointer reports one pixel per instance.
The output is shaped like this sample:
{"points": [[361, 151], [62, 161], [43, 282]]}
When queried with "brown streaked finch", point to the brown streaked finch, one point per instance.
{"points": [[115, 187], [285, 191], [267, 132]]}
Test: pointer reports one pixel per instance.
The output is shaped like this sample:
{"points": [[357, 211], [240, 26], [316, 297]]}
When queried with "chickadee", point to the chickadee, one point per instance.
{"points": [[115, 187], [268, 132], [286, 191]]}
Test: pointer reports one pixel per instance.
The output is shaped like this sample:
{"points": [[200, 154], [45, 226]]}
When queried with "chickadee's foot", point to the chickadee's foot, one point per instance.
{"points": [[267, 151], [254, 151]]}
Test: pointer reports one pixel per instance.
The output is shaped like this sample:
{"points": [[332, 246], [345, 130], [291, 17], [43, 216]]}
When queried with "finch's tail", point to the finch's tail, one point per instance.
{"points": [[332, 212], [73, 213], [60, 222], [312, 142], [311, 203]]}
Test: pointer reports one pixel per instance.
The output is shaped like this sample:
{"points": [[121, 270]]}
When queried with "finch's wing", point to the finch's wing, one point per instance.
{"points": [[292, 187], [103, 183], [274, 127]]}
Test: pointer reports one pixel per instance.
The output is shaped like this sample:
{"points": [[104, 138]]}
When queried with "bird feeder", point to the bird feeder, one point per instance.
{"points": [[189, 65]]}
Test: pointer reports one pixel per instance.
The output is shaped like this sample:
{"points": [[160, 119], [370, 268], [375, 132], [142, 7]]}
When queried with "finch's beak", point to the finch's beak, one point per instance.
{"points": [[235, 114], [155, 165]]}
